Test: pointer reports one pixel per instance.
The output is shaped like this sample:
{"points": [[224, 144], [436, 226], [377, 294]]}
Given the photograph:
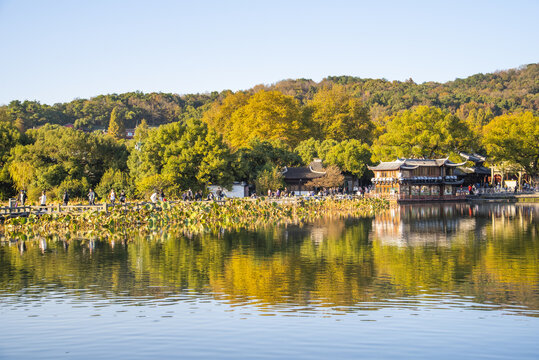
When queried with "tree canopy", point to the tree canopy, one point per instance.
{"points": [[180, 156], [56, 155], [340, 116], [351, 156], [263, 155], [514, 138], [116, 124], [425, 131], [268, 115]]}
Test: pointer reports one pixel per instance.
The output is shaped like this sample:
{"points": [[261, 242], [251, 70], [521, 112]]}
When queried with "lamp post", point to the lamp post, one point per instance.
{"points": [[300, 181]]}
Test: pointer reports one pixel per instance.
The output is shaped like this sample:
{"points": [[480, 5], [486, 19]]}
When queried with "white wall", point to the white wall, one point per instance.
{"points": [[238, 191]]}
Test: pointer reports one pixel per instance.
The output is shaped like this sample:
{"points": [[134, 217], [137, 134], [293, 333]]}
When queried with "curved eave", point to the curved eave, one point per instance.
{"points": [[384, 168], [454, 165], [316, 172]]}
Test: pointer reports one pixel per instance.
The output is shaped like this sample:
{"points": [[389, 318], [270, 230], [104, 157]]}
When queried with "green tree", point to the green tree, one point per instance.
{"points": [[514, 138], [423, 132], [117, 180], [260, 155], [117, 124], [183, 155], [141, 131], [20, 125], [56, 154], [270, 178], [352, 156], [308, 150], [9, 138], [326, 146]]}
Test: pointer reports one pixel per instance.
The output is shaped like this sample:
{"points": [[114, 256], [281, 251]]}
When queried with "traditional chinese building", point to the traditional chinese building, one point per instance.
{"points": [[295, 178], [476, 174], [417, 180]]}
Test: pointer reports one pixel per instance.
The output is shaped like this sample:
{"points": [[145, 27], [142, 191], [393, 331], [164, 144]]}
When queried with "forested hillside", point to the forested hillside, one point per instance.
{"points": [[494, 94], [216, 138]]}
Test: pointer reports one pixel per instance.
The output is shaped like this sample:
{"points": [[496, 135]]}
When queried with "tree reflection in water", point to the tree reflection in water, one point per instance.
{"points": [[488, 254]]}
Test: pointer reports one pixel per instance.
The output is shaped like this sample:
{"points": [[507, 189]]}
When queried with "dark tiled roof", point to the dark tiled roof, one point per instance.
{"points": [[301, 173], [313, 171], [479, 170], [387, 166]]}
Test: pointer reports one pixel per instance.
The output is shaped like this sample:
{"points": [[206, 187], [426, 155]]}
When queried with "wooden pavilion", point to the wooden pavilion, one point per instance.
{"points": [[417, 180]]}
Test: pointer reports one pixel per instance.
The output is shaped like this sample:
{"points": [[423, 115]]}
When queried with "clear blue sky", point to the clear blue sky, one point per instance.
{"points": [[55, 51]]}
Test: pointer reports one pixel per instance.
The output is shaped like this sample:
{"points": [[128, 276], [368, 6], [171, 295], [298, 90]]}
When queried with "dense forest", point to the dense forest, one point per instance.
{"points": [[191, 141]]}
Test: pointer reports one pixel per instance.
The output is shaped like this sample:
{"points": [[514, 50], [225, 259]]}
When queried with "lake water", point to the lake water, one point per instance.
{"points": [[439, 281]]}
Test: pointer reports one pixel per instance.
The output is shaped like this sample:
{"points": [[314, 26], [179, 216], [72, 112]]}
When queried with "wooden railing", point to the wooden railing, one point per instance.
{"points": [[58, 208]]}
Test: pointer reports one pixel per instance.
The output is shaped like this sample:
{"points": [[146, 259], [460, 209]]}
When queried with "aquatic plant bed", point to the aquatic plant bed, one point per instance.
{"points": [[183, 217]]}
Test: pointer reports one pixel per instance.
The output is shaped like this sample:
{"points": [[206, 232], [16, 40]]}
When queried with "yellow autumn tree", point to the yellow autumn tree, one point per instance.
{"points": [[268, 115], [341, 116], [116, 124], [218, 116]]}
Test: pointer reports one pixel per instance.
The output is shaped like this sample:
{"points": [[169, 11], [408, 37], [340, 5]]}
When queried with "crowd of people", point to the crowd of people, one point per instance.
{"points": [[486, 188], [219, 194]]}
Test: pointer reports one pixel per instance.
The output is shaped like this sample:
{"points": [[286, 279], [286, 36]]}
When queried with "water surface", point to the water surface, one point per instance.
{"points": [[421, 281]]}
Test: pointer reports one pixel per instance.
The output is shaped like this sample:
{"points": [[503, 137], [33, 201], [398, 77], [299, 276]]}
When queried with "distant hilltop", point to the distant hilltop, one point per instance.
{"points": [[494, 93]]}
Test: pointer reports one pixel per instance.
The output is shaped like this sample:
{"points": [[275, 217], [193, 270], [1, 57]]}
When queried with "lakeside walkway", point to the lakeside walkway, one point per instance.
{"points": [[507, 197], [22, 211]]}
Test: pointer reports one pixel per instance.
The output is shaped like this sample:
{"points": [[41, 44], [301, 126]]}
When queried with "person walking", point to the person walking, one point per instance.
{"points": [[91, 197], [122, 197], [154, 196], [22, 197], [65, 198], [112, 197], [43, 199]]}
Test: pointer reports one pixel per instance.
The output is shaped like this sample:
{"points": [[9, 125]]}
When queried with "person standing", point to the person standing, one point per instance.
{"points": [[112, 197], [122, 197], [22, 197], [154, 196], [65, 198], [43, 199], [91, 197]]}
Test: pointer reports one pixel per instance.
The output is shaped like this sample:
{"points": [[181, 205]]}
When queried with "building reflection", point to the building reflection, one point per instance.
{"points": [[440, 224], [484, 252]]}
